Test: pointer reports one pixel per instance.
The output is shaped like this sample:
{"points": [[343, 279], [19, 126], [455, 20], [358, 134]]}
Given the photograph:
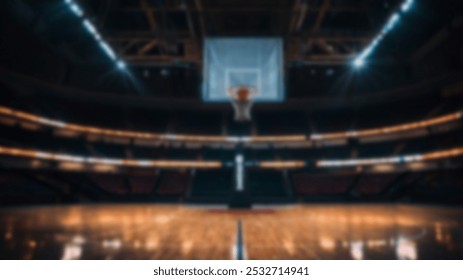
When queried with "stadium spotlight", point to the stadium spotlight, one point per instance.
{"points": [[388, 27], [407, 5], [74, 8], [91, 28], [121, 65], [392, 22], [108, 50], [96, 35], [359, 62]]}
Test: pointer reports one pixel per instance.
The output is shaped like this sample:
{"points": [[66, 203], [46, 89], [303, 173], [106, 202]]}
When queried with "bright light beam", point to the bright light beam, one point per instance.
{"points": [[360, 60], [78, 11]]}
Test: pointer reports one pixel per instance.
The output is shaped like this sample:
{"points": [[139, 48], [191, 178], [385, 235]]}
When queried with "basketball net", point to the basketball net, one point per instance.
{"points": [[242, 99]]}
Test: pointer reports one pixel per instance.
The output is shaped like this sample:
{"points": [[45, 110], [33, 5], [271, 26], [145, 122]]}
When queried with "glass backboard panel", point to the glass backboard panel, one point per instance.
{"points": [[255, 62]]}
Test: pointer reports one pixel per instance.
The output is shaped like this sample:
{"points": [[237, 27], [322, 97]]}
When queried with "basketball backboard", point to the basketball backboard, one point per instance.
{"points": [[253, 62]]}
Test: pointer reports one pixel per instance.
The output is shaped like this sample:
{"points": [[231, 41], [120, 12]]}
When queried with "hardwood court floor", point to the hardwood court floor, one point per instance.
{"points": [[179, 232]]}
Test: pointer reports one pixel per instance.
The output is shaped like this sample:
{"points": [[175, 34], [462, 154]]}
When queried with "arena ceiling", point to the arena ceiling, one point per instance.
{"points": [[325, 31], [315, 31], [161, 41]]}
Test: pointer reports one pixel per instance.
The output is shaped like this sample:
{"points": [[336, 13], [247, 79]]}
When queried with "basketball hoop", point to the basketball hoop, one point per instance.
{"points": [[242, 99]]}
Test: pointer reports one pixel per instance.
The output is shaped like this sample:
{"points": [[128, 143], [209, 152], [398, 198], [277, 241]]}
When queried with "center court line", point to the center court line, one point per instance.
{"points": [[239, 249]]}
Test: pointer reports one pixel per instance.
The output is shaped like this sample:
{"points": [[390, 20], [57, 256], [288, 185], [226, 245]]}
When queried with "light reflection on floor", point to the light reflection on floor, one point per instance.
{"points": [[175, 232]]}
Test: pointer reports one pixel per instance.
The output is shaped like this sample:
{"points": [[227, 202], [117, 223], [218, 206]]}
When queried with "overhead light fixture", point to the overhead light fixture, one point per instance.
{"points": [[121, 65], [394, 19], [108, 50], [359, 62], [74, 8], [407, 5], [78, 11], [91, 29]]}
